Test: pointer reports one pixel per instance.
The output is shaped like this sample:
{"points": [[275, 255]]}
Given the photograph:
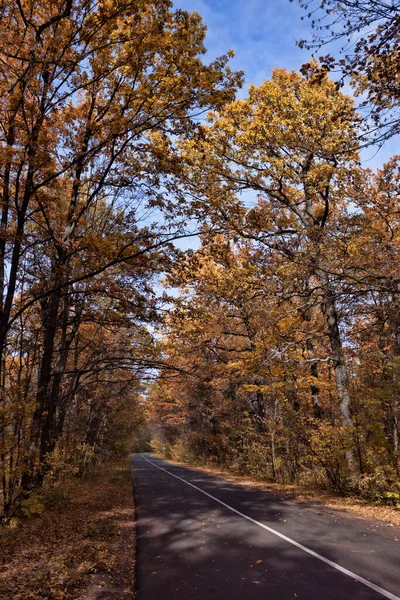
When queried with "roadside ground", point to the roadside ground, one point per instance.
{"points": [[351, 504], [75, 541]]}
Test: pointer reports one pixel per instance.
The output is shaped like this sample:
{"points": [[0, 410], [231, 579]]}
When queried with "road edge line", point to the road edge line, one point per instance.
{"points": [[358, 578]]}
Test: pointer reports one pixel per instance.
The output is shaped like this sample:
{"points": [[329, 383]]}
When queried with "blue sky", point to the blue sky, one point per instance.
{"points": [[263, 34]]}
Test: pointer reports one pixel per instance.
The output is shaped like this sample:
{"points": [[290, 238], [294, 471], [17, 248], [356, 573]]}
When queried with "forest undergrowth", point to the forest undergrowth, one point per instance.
{"points": [[73, 541], [352, 504]]}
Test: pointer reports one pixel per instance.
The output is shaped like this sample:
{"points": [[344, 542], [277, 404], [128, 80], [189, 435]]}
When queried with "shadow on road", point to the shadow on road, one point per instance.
{"points": [[190, 547]]}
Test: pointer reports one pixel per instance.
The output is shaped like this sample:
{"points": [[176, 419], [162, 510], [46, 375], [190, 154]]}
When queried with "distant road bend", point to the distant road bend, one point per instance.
{"points": [[203, 538]]}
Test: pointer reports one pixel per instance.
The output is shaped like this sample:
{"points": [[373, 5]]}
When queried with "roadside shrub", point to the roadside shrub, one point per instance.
{"points": [[32, 506], [388, 498], [55, 497]]}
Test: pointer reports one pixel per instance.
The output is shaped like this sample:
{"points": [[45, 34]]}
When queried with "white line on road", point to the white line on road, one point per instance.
{"points": [[369, 584]]}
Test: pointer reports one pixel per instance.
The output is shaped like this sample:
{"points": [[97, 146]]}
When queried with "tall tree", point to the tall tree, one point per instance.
{"points": [[86, 88], [293, 143]]}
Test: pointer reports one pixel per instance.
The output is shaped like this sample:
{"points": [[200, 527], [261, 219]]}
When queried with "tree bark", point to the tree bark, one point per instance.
{"points": [[341, 376], [45, 413]]}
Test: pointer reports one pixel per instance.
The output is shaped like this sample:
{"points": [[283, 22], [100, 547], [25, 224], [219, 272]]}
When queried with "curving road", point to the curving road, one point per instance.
{"points": [[203, 538]]}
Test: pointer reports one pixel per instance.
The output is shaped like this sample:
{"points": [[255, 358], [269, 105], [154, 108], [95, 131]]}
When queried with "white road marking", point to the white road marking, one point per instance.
{"points": [[369, 584]]}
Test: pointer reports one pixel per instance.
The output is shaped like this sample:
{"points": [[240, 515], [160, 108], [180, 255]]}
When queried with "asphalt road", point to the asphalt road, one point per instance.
{"points": [[203, 538]]}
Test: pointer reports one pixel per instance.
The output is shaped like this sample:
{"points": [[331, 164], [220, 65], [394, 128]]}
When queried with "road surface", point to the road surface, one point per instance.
{"points": [[203, 538]]}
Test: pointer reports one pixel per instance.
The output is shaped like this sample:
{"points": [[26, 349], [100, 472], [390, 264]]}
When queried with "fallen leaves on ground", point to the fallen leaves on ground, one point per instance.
{"points": [[357, 506], [80, 547]]}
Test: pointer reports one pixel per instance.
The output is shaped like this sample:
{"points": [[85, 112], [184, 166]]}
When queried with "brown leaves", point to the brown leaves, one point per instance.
{"points": [[55, 555]]}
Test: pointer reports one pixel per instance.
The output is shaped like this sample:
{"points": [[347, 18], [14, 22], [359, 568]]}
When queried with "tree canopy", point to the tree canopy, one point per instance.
{"points": [[274, 348]]}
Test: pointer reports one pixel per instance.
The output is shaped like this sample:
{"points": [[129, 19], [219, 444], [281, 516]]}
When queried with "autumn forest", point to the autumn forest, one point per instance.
{"points": [[192, 265]]}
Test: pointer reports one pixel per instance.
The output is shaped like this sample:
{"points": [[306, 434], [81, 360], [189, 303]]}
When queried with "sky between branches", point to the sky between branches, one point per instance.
{"points": [[263, 34]]}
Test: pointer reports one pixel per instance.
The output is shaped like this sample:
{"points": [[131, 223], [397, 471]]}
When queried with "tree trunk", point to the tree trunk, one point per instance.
{"points": [[45, 413], [396, 392], [314, 389], [341, 377]]}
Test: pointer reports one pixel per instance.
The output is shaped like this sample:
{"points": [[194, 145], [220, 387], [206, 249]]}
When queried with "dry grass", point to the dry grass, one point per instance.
{"points": [[357, 506], [81, 547]]}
